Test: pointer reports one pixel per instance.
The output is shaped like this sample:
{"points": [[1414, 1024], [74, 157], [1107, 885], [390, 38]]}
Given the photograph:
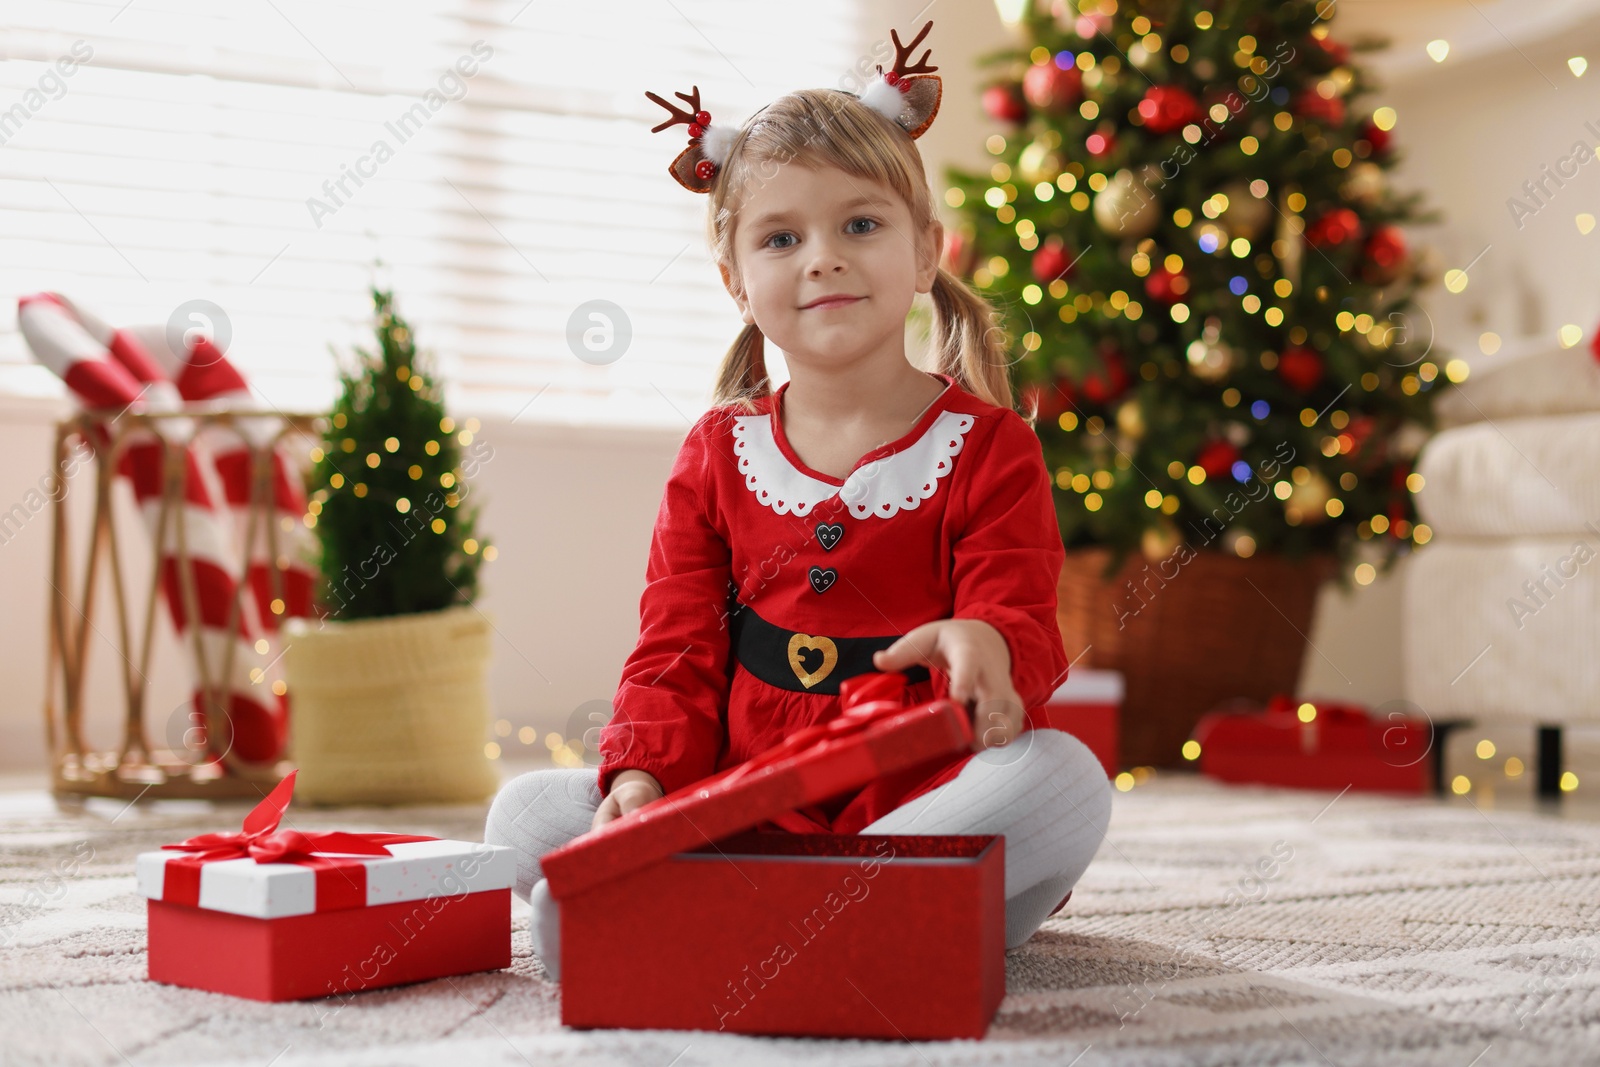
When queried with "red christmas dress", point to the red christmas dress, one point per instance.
{"points": [[765, 576]]}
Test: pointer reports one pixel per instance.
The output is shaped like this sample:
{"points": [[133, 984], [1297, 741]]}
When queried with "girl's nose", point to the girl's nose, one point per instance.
{"points": [[826, 258]]}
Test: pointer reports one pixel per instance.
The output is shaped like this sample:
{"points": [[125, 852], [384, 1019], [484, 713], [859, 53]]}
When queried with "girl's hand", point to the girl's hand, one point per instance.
{"points": [[978, 662], [629, 790]]}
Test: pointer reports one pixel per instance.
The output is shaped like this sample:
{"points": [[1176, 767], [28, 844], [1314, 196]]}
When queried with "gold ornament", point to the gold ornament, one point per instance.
{"points": [[1159, 541], [1364, 185], [1429, 265], [1039, 162], [1308, 503], [1247, 215], [1126, 207], [1130, 419], [1290, 242], [1210, 359]]}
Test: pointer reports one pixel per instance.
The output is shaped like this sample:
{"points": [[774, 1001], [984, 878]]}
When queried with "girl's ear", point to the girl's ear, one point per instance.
{"points": [[930, 249], [738, 298]]}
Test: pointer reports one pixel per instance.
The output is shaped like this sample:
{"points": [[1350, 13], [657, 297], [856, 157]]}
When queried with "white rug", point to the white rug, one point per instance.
{"points": [[1386, 931]]}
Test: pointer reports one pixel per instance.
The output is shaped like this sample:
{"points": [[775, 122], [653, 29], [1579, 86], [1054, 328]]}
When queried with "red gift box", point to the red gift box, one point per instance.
{"points": [[1335, 746], [695, 912], [275, 914], [1088, 705]]}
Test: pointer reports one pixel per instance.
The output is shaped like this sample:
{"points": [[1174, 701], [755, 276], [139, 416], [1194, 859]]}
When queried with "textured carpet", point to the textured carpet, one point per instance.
{"points": [[1216, 926]]}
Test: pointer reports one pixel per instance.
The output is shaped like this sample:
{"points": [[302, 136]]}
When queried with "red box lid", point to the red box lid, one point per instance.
{"points": [[875, 734]]}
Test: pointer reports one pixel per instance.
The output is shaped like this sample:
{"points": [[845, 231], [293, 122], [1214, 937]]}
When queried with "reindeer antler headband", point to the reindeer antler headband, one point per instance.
{"points": [[908, 95]]}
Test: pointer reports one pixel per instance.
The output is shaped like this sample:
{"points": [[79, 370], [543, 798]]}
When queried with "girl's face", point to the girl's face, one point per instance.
{"points": [[809, 233]]}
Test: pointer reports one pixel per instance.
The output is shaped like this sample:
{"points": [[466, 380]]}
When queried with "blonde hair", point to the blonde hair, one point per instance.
{"points": [[829, 128]]}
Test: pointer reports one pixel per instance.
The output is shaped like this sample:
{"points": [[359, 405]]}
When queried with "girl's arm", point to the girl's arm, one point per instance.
{"points": [[668, 710], [1008, 557]]}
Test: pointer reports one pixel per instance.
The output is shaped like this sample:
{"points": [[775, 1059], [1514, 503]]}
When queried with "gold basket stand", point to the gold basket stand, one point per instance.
{"points": [[134, 769]]}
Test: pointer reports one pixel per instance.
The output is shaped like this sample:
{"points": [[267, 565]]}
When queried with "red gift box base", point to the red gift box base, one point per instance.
{"points": [[1095, 724], [331, 952], [788, 934], [1324, 771]]}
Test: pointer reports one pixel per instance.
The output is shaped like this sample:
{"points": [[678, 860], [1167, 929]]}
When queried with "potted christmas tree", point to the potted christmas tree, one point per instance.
{"points": [[1188, 226], [389, 681]]}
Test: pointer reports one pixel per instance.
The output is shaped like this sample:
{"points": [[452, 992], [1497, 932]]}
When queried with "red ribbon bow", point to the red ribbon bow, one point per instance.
{"points": [[863, 699], [340, 884]]}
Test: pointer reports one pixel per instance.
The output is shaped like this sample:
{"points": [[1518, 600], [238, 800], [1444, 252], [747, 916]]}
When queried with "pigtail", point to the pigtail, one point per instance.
{"points": [[970, 344], [742, 378]]}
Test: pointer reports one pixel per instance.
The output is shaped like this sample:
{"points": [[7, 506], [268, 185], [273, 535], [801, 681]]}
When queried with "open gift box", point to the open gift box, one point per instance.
{"points": [[275, 914], [693, 912]]}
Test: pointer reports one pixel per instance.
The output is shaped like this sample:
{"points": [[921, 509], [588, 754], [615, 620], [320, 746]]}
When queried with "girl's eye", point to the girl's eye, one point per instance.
{"points": [[775, 236], [864, 219]]}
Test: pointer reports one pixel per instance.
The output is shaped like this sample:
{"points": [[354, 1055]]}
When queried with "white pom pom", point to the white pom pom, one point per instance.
{"points": [[717, 142], [884, 98]]}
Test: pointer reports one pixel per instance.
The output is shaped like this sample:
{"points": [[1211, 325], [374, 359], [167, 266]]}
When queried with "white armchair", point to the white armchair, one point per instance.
{"points": [[1501, 616]]}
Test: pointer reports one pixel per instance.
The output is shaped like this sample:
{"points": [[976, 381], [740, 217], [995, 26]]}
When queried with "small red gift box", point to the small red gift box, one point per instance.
{"points": [[694, 913], [1088, 706], [1329, 746], [275, 914]]}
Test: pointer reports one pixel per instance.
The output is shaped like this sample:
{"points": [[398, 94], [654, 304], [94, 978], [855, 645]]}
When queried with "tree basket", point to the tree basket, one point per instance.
{"points": [[392, 710], [1187, 636]]}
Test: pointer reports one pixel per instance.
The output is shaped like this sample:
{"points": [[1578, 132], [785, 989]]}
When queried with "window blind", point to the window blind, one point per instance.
{"points": [[489, 160]]}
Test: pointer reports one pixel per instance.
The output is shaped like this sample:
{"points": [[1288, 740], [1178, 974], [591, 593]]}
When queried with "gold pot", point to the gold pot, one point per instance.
{"points": [[391, 710]]}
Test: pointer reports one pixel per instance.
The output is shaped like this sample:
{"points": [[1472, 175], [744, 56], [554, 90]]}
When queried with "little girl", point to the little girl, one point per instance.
{"points": [[864, 515]]}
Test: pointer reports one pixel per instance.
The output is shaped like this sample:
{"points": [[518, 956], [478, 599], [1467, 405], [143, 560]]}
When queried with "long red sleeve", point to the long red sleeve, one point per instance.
{"points": [[669, 711], [1007, 560]]}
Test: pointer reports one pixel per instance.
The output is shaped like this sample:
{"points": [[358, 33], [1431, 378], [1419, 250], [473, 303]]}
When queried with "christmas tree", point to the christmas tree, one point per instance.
{"points": [[389, 487], [1190, 234]]}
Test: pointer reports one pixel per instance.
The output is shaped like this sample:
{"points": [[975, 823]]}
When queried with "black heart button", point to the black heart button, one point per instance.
{"points": [[822, 579], [828, 535]]}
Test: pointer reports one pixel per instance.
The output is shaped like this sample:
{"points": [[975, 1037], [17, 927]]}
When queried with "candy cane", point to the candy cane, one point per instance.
{"points": [[94, 361], [203, 373]]}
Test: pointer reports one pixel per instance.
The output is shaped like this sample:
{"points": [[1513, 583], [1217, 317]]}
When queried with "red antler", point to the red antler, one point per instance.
{"points": [[688, 118], [903, 53]]}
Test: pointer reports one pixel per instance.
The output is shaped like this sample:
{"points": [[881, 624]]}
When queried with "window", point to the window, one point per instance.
{"points": [[265, 154]]}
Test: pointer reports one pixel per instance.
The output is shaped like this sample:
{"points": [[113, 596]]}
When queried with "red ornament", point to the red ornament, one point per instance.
{"points": [[1109, 381], [695, 130], [1099, 144], [1051, 261], [1216, 458], [1167, 286], [1167, 108], [1315, 107], [960, 253], [1004, 104], [1095, 25], [1301, 368], [1378, 139], [705, 169], [1337, 51], [1052, 88], [1053, 400], [1594, 345], [1335, 228], [1383, 255], [702, 118], [1359, 430]]}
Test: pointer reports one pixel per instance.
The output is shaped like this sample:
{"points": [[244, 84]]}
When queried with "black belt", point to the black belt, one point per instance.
{"points": [[805, 663]]}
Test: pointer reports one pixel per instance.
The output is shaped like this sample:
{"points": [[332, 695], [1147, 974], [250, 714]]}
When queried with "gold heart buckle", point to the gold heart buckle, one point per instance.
{"points": [[830, 656]]}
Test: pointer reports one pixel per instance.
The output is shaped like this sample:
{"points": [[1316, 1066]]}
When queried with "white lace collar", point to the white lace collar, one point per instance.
{"points": [[883, 487]]}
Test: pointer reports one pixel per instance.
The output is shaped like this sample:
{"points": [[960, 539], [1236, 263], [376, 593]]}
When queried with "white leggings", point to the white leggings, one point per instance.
{"points": [[1045, 791]]}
